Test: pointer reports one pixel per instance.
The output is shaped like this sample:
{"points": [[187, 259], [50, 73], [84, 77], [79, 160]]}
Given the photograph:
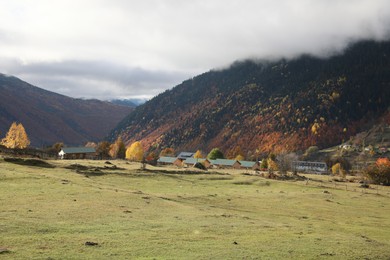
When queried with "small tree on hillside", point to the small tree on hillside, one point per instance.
{"points": [[239, 157], [284, 161], [103, 149], [118, 149], [135, 152], [379, 172], [198, 155], [16, 137], [57, 147], [170, 152], [215, 154]]}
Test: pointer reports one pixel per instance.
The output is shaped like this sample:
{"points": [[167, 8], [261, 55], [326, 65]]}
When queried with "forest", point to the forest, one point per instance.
{"points": [[264, 106]]}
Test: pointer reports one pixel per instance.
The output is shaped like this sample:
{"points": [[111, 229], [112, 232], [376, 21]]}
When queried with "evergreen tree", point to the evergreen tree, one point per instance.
{"points": [[215, 154]]}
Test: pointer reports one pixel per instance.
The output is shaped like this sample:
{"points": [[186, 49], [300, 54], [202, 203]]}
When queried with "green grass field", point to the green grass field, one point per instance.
{"points": [[50, 213]]}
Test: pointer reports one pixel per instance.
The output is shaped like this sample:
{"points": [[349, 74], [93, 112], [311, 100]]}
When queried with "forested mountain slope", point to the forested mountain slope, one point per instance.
{"points": [[286, 105], [49, 117]]}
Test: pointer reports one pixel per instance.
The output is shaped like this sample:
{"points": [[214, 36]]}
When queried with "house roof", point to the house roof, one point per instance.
{"points": [[67, 150], [185, 155], [166, 159], [247, 164], [193, 160], [225, 162]]}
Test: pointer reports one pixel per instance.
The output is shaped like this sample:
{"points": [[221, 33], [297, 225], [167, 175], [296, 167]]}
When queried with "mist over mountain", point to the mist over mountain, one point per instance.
{"points": [[49, 117], [287, 105]]}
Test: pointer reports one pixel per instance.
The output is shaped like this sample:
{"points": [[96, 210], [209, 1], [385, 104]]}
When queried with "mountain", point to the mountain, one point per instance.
{"points": [[264, 106], [49, 117], [124, 102]]}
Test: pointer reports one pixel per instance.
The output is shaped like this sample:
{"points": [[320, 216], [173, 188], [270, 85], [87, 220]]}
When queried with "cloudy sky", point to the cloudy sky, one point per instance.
{"points": [[138, 48]]}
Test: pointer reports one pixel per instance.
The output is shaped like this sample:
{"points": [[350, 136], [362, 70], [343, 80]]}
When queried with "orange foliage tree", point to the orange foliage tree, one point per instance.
{"points": [[16, 137], [118, 149], [379, 172], [168, 152]]}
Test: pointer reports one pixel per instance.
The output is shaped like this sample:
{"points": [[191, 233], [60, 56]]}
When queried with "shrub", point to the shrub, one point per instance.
{"points": [[379, 173], [338, 170], [264, 164], [215, 154]]}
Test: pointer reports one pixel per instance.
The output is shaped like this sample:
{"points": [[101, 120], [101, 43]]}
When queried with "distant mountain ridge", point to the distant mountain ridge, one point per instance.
{"points": [[264, 107], [49, 117]]}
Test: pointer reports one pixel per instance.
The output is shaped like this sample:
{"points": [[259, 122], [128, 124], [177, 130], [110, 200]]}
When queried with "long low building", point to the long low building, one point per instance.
{"points": [[218, 163], [77, 153]]}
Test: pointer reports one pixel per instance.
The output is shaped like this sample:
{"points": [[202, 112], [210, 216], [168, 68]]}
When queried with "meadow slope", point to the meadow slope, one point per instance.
{"points": [[50, 213]]}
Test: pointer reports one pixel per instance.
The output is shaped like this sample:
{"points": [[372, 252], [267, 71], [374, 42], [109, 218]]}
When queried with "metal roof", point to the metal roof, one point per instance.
{"points": [[185, 155], [67, 150], [193, 160], [166, 159], [225, 162], [247, 164]]}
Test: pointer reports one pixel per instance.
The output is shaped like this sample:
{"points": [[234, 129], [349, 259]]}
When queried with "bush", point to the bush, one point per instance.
{"points": [[378, 173]]}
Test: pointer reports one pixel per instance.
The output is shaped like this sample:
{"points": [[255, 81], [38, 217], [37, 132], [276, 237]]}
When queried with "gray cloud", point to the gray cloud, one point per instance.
{"points": [[95, 79], [96, 48]]}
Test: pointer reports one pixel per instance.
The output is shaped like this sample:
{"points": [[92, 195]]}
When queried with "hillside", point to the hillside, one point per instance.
{"points": [[49, 117], [286, 105]]}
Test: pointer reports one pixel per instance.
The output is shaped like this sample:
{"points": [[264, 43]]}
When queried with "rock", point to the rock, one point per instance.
{"points": [[4, 250], [88, 243]]}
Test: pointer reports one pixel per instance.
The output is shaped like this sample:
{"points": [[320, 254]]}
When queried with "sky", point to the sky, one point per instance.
{"points": [[139, 48]]}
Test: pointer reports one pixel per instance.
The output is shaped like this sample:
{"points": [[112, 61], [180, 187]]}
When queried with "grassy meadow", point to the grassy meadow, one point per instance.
{"points": [[165, 213]]}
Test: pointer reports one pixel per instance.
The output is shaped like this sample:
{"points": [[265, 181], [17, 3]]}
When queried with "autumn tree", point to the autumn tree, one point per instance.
{"points": [[271, 162], [239, 158], [103, 149], [284, 161], [169, 152], [16, 137], [236, 152], [91, 145], [215, 153], [135, 152], [118, 149], [57, 147], [379, 172], [198, 154]]}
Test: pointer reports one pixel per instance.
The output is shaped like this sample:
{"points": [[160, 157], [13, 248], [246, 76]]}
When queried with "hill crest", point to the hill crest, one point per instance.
{"points": [[287, 105], [49, 117]]}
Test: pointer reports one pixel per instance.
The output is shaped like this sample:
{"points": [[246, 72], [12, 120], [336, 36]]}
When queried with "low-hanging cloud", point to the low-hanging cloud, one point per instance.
{"points": [[120, 47], [102, 79]]}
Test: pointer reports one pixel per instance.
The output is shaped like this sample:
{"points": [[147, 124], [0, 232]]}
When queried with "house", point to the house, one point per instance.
{"points": [[77, 153], [185, 155], [164, 160], [250, 165], [225, 163], [193, 161]]}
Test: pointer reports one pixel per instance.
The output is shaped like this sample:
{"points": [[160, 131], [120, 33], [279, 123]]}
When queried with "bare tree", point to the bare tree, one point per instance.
{"points": [[284, 161]]}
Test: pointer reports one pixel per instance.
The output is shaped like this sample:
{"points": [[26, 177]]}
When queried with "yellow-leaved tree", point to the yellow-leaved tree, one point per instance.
{"points": [[198, 155], [135, 152], [16, 137]]}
